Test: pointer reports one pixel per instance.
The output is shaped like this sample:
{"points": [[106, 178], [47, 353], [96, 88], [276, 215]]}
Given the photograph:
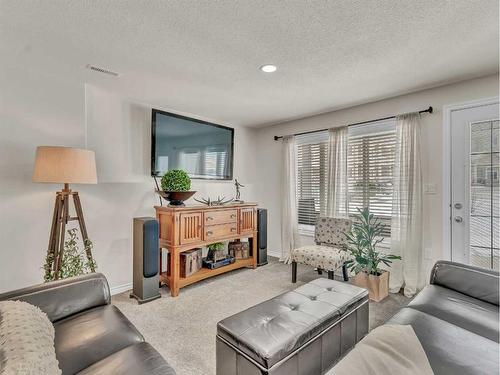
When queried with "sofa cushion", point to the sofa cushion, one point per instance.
{"points": [[26, 340], [450, 348], [456, 308], [268, 332], [389, 350], [87, 337], [140, 358], [477, 282]]}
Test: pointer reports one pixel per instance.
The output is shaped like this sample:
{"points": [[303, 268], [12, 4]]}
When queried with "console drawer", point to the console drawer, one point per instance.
{"points": [[219, 231], [221, 217]]}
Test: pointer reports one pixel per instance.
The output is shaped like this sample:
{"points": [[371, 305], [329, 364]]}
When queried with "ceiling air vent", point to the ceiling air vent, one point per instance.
{"points": [[102, 70]]}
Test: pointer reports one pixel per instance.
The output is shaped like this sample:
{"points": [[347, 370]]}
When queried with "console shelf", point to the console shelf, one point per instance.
{"points": [[190, 227]]}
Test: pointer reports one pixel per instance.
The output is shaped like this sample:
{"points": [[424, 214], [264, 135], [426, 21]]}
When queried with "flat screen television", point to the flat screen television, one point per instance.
{"points": [[204, 150]]}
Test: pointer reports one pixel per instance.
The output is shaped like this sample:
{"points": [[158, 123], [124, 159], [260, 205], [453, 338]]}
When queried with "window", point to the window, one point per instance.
{"points": [[312, 177], [370, 164]]}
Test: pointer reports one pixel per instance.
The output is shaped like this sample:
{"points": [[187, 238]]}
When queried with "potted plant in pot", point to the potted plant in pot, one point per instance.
{"points": [[175, 186], [362, 241], [216, 251]]}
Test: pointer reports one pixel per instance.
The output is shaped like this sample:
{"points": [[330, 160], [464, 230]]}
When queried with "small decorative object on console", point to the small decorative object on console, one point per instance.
{"points": [[216, 202], [228, 259], [362, 241], [238, 249], [238, 193], [216, 251], [191, 262], [175, 186]]}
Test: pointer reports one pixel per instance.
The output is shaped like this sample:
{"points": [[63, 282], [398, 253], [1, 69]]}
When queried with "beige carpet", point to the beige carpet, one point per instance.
{"points": [[183, 329]]}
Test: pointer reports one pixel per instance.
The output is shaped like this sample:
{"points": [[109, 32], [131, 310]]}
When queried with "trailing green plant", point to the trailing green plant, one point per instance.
{"points": [[175, 180], [362, 241], [217, 246], [74, 261]]}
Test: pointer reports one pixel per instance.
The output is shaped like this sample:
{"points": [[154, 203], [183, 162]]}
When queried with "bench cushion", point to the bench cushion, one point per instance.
{"points": [[275, 328], [324, 257]]}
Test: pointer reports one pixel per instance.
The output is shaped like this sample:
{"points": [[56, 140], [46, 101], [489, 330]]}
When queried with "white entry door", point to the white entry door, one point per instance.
{"points": [[474, 209]]}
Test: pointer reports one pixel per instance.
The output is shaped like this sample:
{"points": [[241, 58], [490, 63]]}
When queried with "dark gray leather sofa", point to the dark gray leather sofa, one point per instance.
{"points": [[456, 319], [91, 335]]}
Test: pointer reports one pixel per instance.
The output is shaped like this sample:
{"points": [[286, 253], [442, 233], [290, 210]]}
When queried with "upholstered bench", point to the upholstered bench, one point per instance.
{"points": [[303, 332]]}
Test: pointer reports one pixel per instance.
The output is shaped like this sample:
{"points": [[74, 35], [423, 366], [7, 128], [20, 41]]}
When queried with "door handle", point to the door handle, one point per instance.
{"points": [[458, 219], [458, 206]]}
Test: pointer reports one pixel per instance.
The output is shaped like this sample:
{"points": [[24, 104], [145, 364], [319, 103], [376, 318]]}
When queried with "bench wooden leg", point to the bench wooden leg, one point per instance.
{"points": [[320, 271], [294, 272], [331, 275], [345, 273]]}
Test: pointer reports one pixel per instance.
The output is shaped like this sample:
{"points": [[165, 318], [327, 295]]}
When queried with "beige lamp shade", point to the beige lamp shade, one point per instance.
{"points": [[64, 165]]}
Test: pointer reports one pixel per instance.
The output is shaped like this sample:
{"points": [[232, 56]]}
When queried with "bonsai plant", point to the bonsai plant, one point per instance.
{"points": [[74, 261], [175, 186], [216, 251], [362, 241]]}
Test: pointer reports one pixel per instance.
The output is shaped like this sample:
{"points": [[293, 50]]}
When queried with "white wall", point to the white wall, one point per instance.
{"points": [[44, 110], [38, 109], [270, 162]]}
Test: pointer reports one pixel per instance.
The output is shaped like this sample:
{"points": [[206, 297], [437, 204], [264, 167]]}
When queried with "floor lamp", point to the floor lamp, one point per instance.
{"points": [[64, 165]]}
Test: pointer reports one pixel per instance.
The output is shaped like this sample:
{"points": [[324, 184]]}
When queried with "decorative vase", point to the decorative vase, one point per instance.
{"points": [[378, 286], [176, 198]]}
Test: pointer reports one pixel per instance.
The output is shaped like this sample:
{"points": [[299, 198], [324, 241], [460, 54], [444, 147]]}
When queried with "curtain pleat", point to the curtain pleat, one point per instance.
{"points": [[406, 221], [289, 221], [337, 173]]}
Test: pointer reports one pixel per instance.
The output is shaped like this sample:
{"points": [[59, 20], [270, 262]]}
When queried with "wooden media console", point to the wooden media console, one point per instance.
{"points": [[190, 227]]}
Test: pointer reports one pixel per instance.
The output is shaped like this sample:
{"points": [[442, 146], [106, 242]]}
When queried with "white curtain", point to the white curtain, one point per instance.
{"points": [[289, 220], [337, 172], [406, 223]]}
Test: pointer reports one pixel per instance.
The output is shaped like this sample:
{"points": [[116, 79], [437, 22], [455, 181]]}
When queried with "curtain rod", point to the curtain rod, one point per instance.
{"points": [[428, 110]]}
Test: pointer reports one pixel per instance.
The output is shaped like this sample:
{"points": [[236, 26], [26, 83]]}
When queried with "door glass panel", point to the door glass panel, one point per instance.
{"points": [[484, 194]]}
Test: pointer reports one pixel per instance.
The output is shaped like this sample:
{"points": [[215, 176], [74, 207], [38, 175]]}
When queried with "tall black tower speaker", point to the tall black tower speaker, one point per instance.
{"points": [[146, 259], [261, 236]]}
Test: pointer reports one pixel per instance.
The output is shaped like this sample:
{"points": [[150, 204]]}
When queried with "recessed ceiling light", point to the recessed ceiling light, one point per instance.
{"points": [[268, 68]]}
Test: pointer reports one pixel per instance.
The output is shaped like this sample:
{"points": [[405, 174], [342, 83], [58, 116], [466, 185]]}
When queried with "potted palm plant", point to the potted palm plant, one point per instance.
{"points": [[362, 241]]}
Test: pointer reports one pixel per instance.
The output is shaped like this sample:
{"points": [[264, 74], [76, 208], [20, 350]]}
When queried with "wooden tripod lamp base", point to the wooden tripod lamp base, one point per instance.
{"points": [[64, 165], [60, 218]]}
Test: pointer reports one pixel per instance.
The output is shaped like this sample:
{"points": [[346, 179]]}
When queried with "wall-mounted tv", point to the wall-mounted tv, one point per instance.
{"points": [[204, 150]]}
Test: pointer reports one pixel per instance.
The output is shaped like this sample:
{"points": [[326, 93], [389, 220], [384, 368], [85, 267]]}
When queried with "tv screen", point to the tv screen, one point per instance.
{"points": [[202, 149]]}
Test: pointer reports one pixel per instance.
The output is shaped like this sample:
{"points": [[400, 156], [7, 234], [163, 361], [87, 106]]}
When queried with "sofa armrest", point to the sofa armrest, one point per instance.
{"points": [[476, 282], [62, 298]]}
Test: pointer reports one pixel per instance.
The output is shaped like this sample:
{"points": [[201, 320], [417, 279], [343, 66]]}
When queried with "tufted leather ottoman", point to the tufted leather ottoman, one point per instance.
{"points": [[301, 332]]}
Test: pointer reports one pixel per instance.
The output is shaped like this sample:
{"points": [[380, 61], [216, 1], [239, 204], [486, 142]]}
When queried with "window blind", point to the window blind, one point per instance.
{"points": [[312, 176]]}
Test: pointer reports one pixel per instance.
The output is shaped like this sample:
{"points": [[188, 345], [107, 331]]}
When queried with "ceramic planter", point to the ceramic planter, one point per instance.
{"points": [[378, 286]]}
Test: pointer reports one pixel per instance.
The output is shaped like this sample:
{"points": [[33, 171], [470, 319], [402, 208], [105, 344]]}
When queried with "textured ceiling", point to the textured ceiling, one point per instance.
{"points": [[202, 57]]}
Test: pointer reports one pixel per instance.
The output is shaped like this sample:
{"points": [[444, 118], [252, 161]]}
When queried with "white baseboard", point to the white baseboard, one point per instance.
{"points": [[275, 253], [120, 288]]}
